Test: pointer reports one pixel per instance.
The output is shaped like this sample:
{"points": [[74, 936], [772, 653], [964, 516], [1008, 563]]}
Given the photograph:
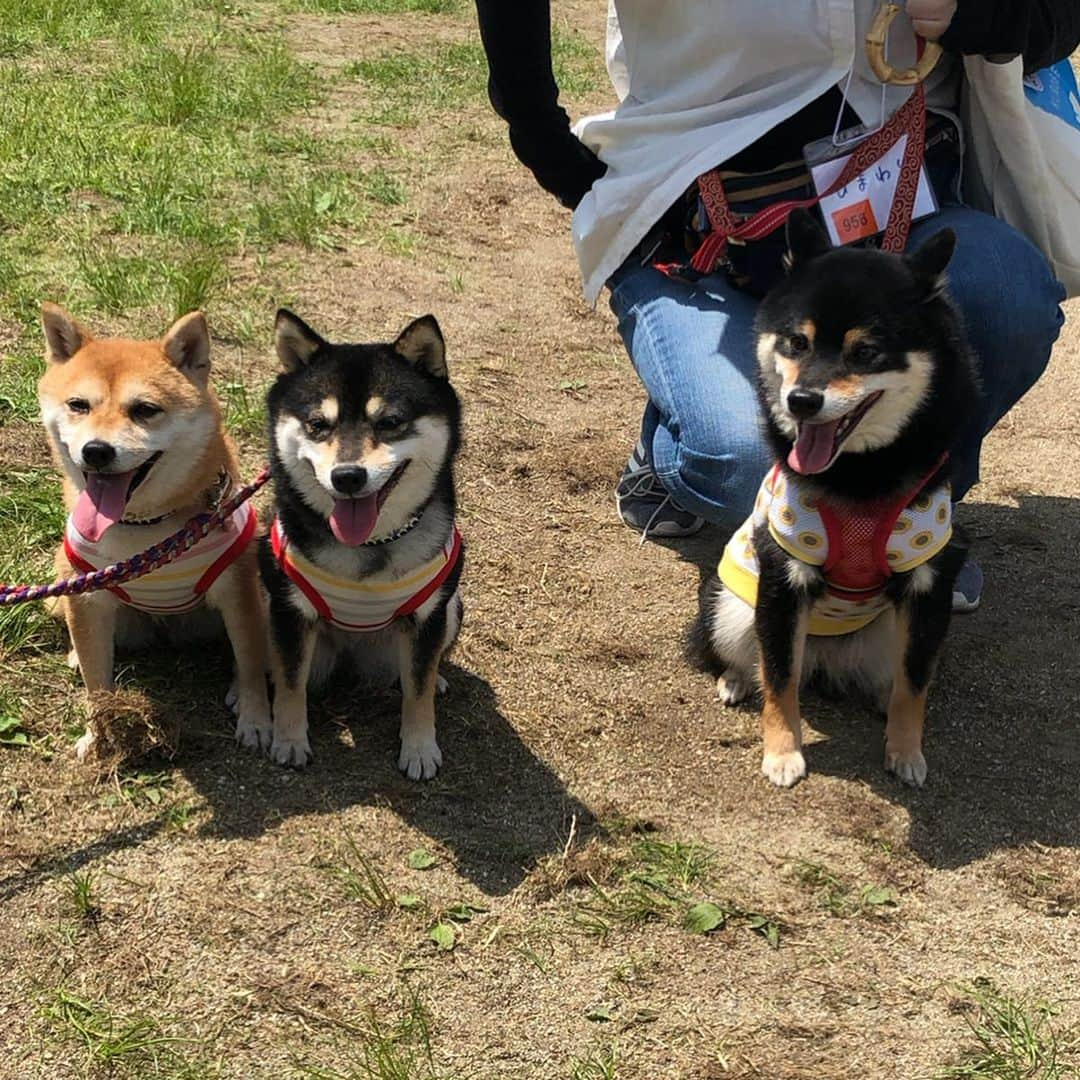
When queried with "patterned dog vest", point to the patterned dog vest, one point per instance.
{"points": [[180, 585], [363, 606], [857, 548]]}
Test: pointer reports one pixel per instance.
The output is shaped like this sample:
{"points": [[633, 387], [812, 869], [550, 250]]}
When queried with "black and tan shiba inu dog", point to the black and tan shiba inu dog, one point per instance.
{"points": [[845, 569], [363, 558]]}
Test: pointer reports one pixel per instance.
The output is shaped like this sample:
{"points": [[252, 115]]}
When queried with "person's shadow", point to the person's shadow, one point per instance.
{"points": [[496, 808], [1002, 739]]}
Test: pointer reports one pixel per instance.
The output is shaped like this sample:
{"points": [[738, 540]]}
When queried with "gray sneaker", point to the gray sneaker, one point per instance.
{"points": [[968, 587], [647, 506]]}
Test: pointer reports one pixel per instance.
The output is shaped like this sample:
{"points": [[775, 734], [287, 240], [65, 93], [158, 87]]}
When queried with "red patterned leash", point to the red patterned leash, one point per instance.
{"points": [[909, 119], [145, 562]]}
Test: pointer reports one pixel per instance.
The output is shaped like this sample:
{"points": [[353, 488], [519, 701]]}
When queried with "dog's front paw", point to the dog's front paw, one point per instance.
{"points": [[293, 750], [784, 770], [909, 766], [254, 730], [232, 700], [73, 660], [420, 758], [84, 748]]}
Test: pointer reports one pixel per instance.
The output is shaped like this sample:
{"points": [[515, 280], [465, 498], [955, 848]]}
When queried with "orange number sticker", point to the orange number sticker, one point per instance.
{"points": [[855, 222]]}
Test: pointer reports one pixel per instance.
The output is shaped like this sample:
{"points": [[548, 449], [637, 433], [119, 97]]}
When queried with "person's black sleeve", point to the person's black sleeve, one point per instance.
{"points": [[1043, 31], [517, 39]]}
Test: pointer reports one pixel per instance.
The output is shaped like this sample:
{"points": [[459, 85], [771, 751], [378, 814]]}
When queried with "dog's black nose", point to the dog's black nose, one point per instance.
{"points": [[98, 454], [802, 403], [348, 479]]}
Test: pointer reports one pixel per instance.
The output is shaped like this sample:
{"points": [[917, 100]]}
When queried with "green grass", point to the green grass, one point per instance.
{"points": [[377, 7], [31, 522], [362, 880], [839, 898], [1014, 1038], [599, 1064], [125, 1044], [659, 881], [396, 1048], [78, 896], [406, 87]]}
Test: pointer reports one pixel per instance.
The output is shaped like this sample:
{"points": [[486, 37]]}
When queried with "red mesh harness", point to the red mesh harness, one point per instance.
{"points": [[857, 567]]}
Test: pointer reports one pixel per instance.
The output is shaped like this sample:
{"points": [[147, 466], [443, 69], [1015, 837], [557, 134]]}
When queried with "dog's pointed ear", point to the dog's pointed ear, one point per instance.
{"points": [[928, 262], [295, 341], [186, 345], [421, 343], [806, 239], [64, 337]]}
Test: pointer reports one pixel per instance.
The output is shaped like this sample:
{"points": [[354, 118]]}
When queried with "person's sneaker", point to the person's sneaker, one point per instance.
{"points": [[968, 587], [646, 505]]}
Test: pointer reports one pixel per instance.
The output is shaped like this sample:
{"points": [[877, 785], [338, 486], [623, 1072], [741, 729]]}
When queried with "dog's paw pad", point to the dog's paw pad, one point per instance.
{"points": [[295, 752], [441, 685], [910, 767], [784, 770], [84, 748], [73, 660], [731, 689], [420, 760], [254, 733]]}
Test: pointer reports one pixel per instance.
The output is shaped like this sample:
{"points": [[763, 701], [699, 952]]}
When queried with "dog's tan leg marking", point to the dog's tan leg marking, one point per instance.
{"points": [[906, 716], [91, 622], [781, 725], [290, 745], [237, 595], [420, 756]]}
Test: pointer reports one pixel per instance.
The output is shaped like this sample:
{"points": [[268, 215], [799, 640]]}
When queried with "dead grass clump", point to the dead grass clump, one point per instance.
{"points": [[1042, 879], [129, 728]]}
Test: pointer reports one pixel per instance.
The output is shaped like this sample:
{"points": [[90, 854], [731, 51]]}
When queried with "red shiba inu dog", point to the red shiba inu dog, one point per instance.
{"points": [[137, 431]]}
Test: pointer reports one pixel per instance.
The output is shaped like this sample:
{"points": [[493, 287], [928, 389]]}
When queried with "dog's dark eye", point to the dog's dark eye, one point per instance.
{"points": [[142, 411], [864, 353], [391, 422], [318, 427], [78, 405], [798, 344]]}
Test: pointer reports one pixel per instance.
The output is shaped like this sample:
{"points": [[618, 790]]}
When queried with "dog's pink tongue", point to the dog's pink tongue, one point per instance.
{"points": [[353, 519], [101, 503], [813, 449]]}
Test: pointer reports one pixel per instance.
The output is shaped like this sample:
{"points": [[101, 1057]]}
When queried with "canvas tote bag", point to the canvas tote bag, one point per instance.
{"points": [[1023, 155]]}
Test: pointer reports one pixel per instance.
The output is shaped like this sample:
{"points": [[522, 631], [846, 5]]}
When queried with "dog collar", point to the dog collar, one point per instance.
{"points": [[397, 534], [215, 497]]}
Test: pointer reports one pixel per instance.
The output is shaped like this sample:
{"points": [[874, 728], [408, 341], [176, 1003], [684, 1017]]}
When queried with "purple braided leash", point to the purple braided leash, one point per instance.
{"points": [[145, 562]]}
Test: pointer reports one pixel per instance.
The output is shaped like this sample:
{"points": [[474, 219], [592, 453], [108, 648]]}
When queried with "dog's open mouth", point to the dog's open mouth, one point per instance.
{"points": [[105, 496], [352, 521], [817, 446]]}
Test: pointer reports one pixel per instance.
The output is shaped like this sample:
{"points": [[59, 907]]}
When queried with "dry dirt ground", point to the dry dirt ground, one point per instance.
{"points": [[228, 898]]}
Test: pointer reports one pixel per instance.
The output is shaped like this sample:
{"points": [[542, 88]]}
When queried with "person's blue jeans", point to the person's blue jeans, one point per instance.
{"points": [[692, 346]]}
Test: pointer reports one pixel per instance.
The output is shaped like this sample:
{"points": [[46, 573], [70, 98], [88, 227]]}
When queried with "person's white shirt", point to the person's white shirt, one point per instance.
{"points": [[700, 80]]}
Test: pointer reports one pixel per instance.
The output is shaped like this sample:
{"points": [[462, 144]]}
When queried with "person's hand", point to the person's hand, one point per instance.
{"points": [[930, 18]]}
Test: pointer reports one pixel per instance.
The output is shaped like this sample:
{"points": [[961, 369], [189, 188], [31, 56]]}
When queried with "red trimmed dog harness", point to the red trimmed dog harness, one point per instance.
{"points": [[363, 606]]}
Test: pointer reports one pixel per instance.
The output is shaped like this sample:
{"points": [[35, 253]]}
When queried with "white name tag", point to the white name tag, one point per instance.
{"points": [[861, 208]]}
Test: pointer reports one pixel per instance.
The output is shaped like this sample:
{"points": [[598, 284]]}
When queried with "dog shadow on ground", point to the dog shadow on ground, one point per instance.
{"points": [[1002, 741], [495, 807]]}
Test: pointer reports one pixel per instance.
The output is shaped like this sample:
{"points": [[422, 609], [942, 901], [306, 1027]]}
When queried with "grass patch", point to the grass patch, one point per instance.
{"points": [[399, 1047], [124, 1044], [406, 87], [1014, 1039], [839, 898], [31, 521], [599, 1064], [78, 896], [377, 7], [649, 881]]}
